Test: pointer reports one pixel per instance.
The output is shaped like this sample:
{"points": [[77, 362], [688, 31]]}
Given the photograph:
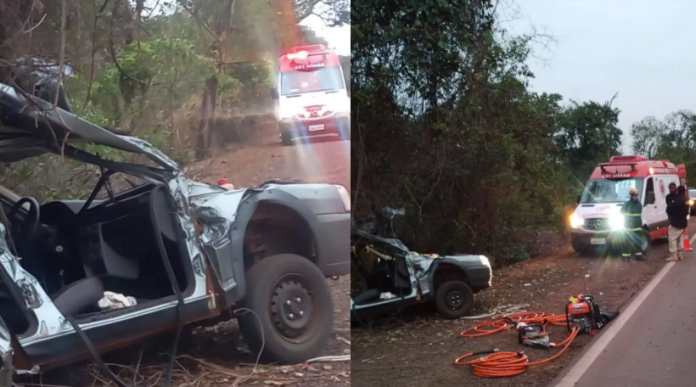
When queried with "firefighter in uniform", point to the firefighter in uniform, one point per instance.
{"points": [[633, 228]]}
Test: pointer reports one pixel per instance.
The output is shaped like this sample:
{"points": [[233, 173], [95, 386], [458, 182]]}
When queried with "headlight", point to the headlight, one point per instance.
{"points": [[485, 261], [616, 221], [288, 111], [341, 106], [691, 202], [345, 196], [576, 221]]}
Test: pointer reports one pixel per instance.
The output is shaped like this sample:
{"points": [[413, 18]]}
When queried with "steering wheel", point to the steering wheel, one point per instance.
{"points": [[23, 233]]}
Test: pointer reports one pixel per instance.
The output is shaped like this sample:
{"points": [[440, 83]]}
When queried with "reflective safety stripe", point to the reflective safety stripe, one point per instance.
{"points": [[637, 254], [635, 229], [625, 255], [634, 214]]}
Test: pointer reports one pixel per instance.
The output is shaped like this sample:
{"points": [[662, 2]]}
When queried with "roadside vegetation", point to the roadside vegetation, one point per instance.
{"points": [[673, 138], [447, 127]]}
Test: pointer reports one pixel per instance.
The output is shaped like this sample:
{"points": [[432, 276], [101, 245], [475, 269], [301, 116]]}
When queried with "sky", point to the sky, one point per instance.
{"points": [[644, 50], [338, 37]]}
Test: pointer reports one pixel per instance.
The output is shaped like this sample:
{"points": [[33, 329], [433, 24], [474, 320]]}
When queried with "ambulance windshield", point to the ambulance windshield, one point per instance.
{"points": [[323, 79], [610, 190]]}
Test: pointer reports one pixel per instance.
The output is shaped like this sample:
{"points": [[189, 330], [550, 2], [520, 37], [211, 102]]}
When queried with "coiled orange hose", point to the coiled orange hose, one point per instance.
{"points": [[502, 364]]}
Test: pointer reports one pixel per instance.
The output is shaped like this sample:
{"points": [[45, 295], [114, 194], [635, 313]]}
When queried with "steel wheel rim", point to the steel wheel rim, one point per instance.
{"points": [[293, 309]]}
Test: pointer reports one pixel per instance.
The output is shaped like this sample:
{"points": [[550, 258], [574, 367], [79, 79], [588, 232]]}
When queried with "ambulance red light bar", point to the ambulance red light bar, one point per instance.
{"points": [[616, 161], [310, 48], [627, 159], [301, 55], [302, 52]]}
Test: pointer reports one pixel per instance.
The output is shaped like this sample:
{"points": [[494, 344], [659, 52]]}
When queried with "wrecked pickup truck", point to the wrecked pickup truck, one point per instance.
{"points": [[185, 252], [387, 276]]}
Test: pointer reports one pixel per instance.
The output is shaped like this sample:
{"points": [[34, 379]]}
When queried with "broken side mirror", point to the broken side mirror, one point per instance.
{"points": [[274, 93], [649, 198], [577, 199]]}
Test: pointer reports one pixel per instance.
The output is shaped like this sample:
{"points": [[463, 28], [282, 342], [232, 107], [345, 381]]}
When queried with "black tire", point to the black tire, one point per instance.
{"points": [[264, 292], [346, 136], [286, 136], [647, 242], [579, 249], [444, 302]]}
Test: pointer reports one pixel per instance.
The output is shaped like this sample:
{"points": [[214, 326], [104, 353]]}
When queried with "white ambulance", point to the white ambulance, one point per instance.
{"points": [[311, 94], [597, 219]]}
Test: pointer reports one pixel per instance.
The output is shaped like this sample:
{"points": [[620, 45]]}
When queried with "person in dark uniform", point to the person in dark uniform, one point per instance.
{"points": [[670, 199], [633, 228], [672, 193], [678, 212]]}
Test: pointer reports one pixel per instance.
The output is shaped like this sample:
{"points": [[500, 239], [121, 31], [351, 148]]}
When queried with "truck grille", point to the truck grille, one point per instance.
{"points": [[596, 224]]}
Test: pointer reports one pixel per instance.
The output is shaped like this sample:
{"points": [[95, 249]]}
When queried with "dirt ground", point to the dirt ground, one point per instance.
{"points": [[418, 348], [324, 160], [217, 356]]}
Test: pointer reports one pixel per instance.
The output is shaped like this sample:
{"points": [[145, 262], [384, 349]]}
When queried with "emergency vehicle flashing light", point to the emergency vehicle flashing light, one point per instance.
{"points": [[302, 55]]}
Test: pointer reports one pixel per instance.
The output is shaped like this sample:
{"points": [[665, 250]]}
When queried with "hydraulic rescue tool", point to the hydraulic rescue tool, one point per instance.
{"points": [[582, 315]]}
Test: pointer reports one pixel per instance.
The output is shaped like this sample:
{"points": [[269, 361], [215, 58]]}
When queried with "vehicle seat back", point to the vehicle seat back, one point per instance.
{"points": [[403, 278], [160, 213], [77, 296], [165, 233]]}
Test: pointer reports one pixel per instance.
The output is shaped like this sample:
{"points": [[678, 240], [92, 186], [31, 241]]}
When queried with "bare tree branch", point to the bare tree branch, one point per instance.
{"points": [[61, 57], [199, 21]]}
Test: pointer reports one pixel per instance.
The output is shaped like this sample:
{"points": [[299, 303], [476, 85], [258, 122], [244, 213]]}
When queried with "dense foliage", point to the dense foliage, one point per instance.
{"points": [[446, 126], [672, 139]]}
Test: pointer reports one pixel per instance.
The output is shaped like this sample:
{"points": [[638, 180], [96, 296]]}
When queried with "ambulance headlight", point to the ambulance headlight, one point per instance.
{"points": [[616, 222], [340, 106], [288, 111], [576, 221]]}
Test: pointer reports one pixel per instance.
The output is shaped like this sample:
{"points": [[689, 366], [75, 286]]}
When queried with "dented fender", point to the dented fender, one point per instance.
{"points": [[226, 215]]}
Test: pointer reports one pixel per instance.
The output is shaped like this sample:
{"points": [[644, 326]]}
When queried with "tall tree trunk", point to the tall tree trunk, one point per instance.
{"points": [[126, 19], [205, 131], [223, 21]]}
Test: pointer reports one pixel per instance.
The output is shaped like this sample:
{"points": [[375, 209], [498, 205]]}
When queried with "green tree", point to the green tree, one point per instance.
{"points": [[333, 12], [670, 139], [647, 135], [448, 129], [588, 134]]}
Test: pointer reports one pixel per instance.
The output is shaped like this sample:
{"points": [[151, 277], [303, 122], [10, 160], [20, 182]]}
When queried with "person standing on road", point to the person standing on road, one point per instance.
{"points": [[633, 227], [672, 193], [678, 212]]}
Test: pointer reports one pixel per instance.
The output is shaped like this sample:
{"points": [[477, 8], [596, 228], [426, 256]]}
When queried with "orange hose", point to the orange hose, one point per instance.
{"points": [[502, 364]]}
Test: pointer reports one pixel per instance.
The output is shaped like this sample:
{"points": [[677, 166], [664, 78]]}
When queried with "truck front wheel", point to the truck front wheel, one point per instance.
{"points": [[454, 299], [292, 309]]}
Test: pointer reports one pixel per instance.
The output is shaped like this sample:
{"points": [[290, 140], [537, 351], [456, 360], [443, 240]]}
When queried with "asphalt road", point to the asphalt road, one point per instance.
{"points": [[655, 344]]}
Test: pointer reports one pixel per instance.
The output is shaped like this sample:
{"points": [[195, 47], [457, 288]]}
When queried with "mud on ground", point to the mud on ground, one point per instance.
{"points": [[217, 356], [419, 348]]}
